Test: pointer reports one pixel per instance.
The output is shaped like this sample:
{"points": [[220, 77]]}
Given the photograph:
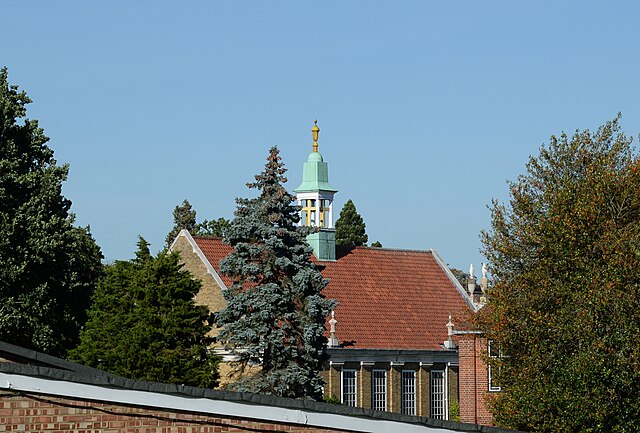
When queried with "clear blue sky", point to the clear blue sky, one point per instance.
{"points": [[425, 108]]}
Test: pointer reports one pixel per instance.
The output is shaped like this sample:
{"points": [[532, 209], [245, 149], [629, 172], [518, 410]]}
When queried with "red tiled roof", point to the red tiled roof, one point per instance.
{"points": [[387, 299], [214, 250]]}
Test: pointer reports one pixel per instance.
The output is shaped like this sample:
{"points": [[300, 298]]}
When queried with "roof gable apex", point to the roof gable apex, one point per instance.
{"points": [[198, 251]]}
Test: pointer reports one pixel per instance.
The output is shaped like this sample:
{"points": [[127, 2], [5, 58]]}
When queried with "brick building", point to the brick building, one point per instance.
{"points": [[475, 381], [393, 307], [40, 393], [387, 336]]}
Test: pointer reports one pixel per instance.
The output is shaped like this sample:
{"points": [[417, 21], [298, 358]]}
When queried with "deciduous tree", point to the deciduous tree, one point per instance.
{"points": [[565, 304], [216, 228], [144, 324], [276, 313], [48, 267], [461, 276]]}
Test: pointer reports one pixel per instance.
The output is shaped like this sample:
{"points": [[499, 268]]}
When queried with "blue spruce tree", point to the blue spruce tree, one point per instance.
{"points": [[275, 317]]}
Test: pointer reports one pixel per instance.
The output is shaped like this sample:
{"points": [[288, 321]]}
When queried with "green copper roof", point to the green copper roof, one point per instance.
{"points": [[315, 175], [323, 244]]}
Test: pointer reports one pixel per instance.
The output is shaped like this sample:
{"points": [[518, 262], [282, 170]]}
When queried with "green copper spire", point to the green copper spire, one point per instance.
{"points": [[315, 198], [315, 173]]}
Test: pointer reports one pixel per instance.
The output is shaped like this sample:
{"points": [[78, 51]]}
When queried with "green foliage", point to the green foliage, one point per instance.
{"points": [[350, 227], [565, 305], [48, 267], [332, 399], [144, 324], [376, 244], [216, 228], [454, 410], [461, 276], [184, 217], [276, 313]]}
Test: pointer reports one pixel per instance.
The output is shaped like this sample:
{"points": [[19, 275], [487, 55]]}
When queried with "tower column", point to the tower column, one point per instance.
{"points": [[315, 196]]}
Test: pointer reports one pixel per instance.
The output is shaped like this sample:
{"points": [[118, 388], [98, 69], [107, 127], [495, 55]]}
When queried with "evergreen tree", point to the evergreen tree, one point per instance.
{"points": [[184, 217], [144, 324], [350, 227], [276, 312], [564, 308], [376, 244], [48, 267]]}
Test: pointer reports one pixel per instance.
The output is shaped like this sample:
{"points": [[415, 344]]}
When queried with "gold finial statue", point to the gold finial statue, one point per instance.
{"points": [[314, 131]]}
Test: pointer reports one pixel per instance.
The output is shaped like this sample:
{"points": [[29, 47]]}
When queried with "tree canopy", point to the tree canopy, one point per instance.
{"points": [[564, 254], [350, 227], [461, 276], [216, 228], [48, 267], [276, 313], [184, 217], [144, 324]]}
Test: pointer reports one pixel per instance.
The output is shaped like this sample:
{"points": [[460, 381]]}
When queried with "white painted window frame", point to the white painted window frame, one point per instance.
{"points": [[443, 399], [379, 390], [408, 407], [355, 386], [491, 387]]}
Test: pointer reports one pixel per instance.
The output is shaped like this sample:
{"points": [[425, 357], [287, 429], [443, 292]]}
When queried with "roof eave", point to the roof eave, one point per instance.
{"points": [[196, 249]]}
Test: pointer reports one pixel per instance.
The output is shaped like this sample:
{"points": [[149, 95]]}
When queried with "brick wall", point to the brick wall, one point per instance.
{"points": [[332, 382], [365, 386], [473, 380], [332, 377], [394, 387], [423, 399], [210, 295], [37, 413]]}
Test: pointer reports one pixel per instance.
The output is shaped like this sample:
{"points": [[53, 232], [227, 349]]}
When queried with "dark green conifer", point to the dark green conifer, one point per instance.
{"points": [[184, 217], [144, 324], [350, 227], [48, 267], [276, 313]]}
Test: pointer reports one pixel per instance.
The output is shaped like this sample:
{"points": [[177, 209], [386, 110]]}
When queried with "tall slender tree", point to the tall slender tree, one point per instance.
{"points": [[48, 267], [144, 324], [564, 309], [350, 227], [276, 313]]}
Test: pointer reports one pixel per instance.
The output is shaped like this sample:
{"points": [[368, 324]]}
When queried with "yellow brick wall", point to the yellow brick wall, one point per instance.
{"points": [[210, 294], [365, 386], [423, 403], [394, 379]]}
